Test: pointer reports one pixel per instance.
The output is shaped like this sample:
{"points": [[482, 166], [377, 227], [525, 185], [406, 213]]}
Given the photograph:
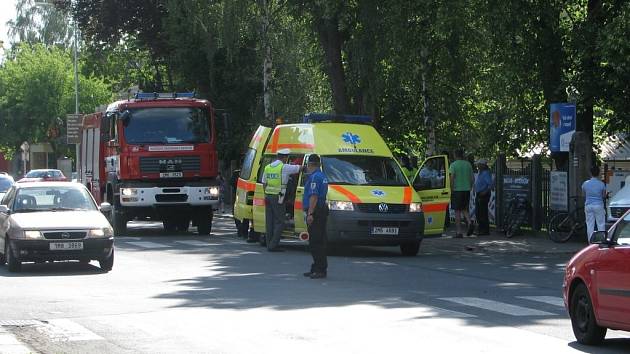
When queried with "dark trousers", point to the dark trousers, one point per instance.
{"points": [[481, 213], [317, 240], [274, 220]]}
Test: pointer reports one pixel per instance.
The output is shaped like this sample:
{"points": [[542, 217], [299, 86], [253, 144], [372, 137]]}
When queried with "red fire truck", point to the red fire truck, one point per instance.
{"points": [[153, 156]]}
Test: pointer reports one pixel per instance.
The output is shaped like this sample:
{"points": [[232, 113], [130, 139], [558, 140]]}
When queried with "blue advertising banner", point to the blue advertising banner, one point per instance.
{"points": [[561, 126]]}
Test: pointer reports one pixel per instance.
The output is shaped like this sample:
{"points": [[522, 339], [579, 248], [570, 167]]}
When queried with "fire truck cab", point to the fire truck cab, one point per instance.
{"points": [[154, 157]]}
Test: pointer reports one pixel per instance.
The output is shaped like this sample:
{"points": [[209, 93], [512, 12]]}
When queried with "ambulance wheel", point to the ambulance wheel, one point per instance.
{"points": [[237, 224], [410, 249], [119, 221], [204, 223]]}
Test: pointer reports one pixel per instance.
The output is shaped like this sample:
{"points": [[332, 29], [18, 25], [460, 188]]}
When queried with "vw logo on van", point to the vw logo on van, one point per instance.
{"points": [[383, 208]]}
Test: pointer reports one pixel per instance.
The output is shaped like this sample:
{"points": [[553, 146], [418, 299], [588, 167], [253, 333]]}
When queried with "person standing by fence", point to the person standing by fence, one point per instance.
{"points": [[483, 189], [462, 180], [594, 193]]}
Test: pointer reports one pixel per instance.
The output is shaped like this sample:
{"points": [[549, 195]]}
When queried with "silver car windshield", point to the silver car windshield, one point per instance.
{"points": [[53, 198]]}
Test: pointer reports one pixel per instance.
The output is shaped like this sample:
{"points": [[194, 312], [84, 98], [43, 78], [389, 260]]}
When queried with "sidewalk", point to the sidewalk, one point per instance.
{"points": [[496, 242]]}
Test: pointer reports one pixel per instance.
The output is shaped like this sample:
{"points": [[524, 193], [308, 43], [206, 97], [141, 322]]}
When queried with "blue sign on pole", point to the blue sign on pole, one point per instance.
{"points": [[561, 126]]}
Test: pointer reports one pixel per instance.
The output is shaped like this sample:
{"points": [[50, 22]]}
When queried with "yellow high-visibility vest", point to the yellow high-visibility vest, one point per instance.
{"points": [[273, 178]]}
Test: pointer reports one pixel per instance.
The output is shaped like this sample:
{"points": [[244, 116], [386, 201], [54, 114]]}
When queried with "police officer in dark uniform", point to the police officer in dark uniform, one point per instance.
{"points": [[316, 212]]}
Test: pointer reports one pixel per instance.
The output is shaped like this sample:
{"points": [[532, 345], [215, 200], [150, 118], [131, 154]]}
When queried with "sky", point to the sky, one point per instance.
{"points": [[7, 12]]}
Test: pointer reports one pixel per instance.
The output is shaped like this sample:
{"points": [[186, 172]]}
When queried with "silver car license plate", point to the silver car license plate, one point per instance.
{"points": [[66, 246], [384, 231]]}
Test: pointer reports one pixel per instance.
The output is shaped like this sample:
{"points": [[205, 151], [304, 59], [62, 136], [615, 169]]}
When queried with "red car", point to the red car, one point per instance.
{"points": [[43, 175], [596, 287]]}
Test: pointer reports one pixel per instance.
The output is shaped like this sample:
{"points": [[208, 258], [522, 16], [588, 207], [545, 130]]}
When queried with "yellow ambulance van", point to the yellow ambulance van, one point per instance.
{"points": [[371, 201]]}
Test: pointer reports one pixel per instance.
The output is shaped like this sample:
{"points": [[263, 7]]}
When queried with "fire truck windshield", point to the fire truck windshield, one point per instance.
{"points": [[172, 125]]}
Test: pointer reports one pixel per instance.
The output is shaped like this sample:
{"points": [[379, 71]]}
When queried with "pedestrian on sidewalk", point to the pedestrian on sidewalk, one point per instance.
{"points": [[316, 213], [462, 180], [594, 193], [483, 189]]}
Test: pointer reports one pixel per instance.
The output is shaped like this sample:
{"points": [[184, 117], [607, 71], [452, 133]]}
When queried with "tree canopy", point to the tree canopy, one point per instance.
{"points": [[477, 74]]}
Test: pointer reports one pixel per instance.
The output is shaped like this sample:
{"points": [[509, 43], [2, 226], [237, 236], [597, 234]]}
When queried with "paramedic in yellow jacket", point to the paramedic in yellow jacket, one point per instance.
{"points": [[274, 180]]}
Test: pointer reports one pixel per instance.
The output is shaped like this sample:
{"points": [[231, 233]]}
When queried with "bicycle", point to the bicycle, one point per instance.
{"points": [[565, 225], [516, 215]]}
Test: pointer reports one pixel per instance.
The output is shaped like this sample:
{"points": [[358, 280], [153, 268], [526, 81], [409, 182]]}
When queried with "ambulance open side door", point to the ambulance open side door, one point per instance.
{"points": [[432, 184]]}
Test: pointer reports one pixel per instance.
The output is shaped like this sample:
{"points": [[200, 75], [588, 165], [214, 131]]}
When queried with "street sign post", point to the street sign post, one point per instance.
{"points": [[73, 128]]}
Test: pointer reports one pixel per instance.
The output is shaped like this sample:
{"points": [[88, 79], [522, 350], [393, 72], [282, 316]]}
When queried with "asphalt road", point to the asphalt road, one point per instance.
{"points": [[217, 294]]}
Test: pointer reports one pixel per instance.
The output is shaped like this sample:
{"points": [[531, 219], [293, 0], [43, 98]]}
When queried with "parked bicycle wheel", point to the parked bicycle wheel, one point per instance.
{"points": [[560, 227], [512, 228]]}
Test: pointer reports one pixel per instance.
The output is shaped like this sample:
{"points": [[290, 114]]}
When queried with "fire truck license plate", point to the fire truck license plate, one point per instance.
{"points": [[171, 174], [63, 246], [384, 231]]}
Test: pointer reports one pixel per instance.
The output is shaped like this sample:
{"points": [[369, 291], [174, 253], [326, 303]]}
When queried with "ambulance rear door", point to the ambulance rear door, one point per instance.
{"points": [[246, 183], [432, 184]]}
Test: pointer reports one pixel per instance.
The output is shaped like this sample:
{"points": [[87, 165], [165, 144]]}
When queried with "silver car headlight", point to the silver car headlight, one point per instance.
{"points": [[30, 235], [105, 232], [339, 205], [415, 207]]}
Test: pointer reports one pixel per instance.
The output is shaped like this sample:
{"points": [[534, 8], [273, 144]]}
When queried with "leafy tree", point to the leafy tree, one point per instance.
{"points": [[36, 92]]}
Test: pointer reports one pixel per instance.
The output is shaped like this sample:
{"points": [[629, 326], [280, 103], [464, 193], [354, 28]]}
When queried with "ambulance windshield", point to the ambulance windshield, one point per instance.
{"points": [[363, 170], [167, 125]]}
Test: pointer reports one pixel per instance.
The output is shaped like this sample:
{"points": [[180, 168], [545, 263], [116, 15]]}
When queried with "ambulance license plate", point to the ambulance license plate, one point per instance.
{"points": [[65, 246], [171, 174], [384, 231]]}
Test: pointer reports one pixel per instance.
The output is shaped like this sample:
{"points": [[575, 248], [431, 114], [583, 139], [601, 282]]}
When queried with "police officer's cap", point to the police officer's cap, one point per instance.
{"points": [[284, 152], [314, 158]]}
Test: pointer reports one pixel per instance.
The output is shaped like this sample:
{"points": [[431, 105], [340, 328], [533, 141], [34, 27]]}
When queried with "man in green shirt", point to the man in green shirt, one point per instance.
{"points": [[462, 180]]}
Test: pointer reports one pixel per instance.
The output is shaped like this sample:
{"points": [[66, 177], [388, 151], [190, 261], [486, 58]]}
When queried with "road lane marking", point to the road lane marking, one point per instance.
{"points": [[64, 330], [146, 244], [496, 306], [9, 344], [551, 300], [193, 243]]}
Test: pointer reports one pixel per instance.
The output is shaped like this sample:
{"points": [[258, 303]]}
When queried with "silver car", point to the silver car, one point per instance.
{"points": [[53, 221], [619, 203]]}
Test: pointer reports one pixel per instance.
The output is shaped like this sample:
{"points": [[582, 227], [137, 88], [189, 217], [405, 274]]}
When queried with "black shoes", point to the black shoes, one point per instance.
{"points": [[315, 275], [471, 228]]}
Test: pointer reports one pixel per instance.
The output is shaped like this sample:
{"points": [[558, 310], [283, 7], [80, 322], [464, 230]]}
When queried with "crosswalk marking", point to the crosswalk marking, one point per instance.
{"points": [[551, 300], [11, 345], [496, 306], [64, 330], [193, 243], [147, 244]]}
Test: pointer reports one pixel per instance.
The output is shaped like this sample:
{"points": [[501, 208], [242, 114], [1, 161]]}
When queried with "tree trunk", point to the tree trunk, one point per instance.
{"points": [[267, 64], [591, 79], [330, 39], [429, 123]]}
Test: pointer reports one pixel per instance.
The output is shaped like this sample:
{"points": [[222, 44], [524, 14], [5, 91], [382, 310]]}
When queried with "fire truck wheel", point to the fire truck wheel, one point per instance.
{"points": [[182, 224], [119, 222], [204, 223]]}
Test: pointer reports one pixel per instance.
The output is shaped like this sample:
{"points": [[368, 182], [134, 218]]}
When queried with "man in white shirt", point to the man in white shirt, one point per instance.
{"points": [[274, 180]]}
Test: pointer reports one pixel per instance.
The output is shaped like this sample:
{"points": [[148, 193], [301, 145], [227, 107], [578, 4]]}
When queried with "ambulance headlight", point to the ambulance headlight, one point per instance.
{"points": [[338, 205], [213, 191], [415, 207], [128, 191]]}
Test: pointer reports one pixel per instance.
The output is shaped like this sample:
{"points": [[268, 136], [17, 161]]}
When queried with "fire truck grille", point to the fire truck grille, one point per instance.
{"points": [[170, 164]]}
